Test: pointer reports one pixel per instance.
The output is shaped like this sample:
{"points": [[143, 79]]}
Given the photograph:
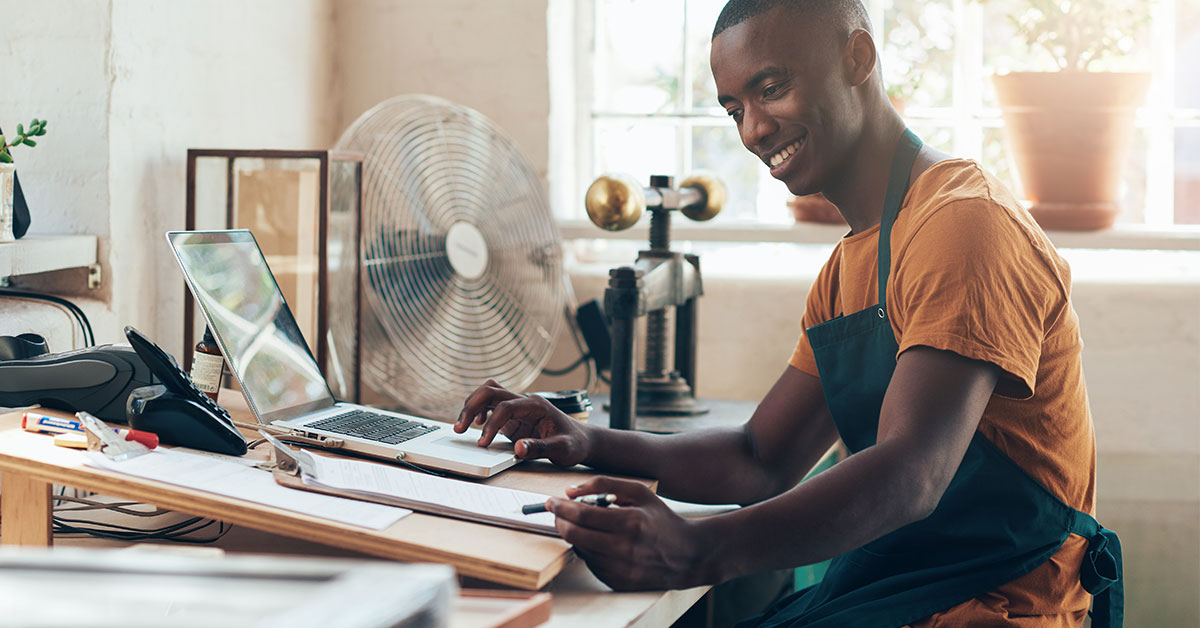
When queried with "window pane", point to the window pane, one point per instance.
{"points": [[996, 160], [1131, 196], [702, 16], [635, 148], [1187, 50], [937, 137], [718, 149], [639, 56], [917, 54], [1115, 34], [1187, 176]]}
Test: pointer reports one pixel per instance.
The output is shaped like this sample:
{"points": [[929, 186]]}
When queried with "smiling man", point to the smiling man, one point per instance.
{"points": [[940, 346]]}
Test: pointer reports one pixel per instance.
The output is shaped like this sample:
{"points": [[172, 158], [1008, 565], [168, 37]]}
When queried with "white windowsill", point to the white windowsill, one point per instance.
{"points": [[1131, 237], [44, 253]]}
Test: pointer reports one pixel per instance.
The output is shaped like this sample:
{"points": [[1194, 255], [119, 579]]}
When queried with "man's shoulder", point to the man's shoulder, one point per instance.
{"points": [[959, 198], [961, 182]]}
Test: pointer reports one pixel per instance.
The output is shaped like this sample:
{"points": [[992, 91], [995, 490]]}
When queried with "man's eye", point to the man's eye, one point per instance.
{"points": [[771, 90], [736, 114]]}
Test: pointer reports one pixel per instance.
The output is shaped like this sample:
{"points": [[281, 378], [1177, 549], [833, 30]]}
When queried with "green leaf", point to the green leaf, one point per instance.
{"points": [[29, 142], [2, 142], [5, 158], [20, 129]]}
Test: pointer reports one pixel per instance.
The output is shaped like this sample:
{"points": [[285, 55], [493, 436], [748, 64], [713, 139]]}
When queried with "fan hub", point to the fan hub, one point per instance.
{"points": [[466, 250]]}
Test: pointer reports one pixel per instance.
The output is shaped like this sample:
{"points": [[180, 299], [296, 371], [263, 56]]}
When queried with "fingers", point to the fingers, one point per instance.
{"points": [[520, 408], [556, 448], [480, 402], [613, 520], [628, 492]]}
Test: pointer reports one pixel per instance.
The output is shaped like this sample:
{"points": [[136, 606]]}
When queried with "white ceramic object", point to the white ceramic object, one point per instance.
{"points": [[7, 176]]}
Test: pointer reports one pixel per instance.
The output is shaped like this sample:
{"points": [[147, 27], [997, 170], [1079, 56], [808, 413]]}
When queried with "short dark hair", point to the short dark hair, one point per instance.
{"points": [[846, 15]]}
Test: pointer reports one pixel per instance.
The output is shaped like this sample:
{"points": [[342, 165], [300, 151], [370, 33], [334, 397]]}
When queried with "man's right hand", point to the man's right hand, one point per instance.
{"points": [[536, 427]]}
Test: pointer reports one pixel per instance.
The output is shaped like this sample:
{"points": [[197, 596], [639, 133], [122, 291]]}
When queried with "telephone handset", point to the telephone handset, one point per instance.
{"points": [[176, 410]]}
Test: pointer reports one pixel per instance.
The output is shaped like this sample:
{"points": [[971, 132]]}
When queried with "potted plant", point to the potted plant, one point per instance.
{"points": [[1069, 130], [8, 173]]}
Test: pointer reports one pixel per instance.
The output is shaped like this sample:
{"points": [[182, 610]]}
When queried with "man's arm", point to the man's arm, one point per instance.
{"points": [[930, 413], [782, 441]]}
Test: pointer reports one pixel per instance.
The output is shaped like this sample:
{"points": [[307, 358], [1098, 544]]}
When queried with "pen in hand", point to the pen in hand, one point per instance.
{"points": [[603, 500]]}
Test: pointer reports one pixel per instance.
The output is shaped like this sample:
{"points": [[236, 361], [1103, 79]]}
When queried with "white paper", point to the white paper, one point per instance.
{"points": [[466, 499], [233, 479]]}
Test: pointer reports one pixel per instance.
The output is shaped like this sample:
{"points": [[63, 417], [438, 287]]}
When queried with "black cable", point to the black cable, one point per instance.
{"points": [[176, 532], [574, 365], [89, 337]]}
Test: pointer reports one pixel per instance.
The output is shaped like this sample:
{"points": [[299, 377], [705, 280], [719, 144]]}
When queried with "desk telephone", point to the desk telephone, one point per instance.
{"points": [[176, 410]]}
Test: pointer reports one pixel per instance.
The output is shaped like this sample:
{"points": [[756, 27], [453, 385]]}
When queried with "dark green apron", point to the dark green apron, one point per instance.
{"points": [[993, 525]]}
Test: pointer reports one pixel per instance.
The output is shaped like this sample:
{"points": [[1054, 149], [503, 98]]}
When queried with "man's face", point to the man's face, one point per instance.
{"points": [[780, 77]]}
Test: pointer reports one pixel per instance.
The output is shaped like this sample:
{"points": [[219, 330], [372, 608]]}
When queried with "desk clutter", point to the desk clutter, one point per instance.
{"points": [[402, 295]]}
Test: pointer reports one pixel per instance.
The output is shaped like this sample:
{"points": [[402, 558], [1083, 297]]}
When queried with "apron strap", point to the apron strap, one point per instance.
{"points": [[902, 163], [1101, 571]]}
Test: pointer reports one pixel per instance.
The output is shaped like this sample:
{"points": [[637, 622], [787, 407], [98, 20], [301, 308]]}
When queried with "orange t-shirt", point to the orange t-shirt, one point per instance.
{"points": [[972, 273]]}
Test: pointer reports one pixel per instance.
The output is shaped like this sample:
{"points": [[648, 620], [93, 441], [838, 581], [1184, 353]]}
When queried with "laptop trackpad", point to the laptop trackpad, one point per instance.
{"points": [[463, 447]]}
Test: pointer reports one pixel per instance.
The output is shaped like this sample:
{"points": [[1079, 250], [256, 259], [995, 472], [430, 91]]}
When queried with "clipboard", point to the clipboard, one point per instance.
{"points": [[501, 555], [299, 470]]}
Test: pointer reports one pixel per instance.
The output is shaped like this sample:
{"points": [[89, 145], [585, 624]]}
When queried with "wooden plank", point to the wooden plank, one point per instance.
{"points": [[486, 608], [24, 510]]}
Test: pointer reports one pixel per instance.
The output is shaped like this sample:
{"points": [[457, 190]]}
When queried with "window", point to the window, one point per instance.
{"points": [[646, 103]]}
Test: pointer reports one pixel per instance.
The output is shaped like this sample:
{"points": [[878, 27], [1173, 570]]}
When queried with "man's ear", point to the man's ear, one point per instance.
{"points": [[859, 57]]}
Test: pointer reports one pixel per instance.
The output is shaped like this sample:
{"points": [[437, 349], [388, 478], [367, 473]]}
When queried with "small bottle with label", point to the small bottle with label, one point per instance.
{"points": [[208, 365]]}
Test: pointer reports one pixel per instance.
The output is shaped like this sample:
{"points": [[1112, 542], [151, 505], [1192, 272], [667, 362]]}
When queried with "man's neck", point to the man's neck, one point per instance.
{"points": [[860, 188]]}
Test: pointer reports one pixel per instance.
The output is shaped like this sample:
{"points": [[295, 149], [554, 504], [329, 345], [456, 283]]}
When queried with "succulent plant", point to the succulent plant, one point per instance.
{"points": [[25, 136]]}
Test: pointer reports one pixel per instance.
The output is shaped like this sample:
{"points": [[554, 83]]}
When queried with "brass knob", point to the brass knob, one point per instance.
{"points": [[615, 202], [714, 196]]}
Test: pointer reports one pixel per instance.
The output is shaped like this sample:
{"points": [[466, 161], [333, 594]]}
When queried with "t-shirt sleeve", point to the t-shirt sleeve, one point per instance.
{"points": [[971, 279], [818, 308]]}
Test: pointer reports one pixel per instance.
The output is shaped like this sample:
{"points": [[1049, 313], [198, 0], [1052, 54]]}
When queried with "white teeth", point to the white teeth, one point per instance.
{"points": [[788, 151]]}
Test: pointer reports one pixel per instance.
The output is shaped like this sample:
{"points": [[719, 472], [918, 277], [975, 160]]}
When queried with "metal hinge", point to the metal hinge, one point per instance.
{"points": [[94, 276]]}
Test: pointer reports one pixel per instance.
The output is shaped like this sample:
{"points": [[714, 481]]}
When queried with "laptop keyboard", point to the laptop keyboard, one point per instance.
{"points": [[387, 429]]}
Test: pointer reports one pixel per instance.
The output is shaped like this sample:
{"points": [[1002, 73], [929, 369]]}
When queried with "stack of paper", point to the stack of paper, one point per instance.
{"points": [[427, 493]]}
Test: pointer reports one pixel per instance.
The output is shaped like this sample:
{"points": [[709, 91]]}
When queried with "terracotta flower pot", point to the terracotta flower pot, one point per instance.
{"points": [[815, 208], [1069, 133]]}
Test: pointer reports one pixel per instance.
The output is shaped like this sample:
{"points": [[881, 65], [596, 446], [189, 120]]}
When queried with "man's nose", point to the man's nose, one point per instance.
{"points": [[757, 127]]}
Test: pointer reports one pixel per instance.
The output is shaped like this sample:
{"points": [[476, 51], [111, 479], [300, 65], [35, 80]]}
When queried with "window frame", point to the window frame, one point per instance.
{"points": [[572, 41]]}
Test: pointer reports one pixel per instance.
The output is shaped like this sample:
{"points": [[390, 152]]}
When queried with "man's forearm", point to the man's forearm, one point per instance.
{"points": [[862, 498], [714, 466]]}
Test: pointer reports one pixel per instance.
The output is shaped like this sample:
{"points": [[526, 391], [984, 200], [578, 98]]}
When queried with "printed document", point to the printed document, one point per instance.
{"points": [[234, 478], [428, 493]]}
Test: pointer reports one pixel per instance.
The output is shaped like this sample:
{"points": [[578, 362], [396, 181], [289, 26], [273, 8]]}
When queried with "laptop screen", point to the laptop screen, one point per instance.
{"points": [[252, 323]]}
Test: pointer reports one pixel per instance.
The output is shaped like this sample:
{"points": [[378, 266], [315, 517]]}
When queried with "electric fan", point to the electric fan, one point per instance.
{"points": [[462, 273]]}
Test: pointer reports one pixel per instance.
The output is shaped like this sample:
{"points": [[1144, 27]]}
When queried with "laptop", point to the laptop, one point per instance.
{"points": [[262, 344]]}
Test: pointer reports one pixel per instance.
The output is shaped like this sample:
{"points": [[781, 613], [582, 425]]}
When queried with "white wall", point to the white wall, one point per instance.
{"points": [[128, 86], [224, 74], [486, 54]]}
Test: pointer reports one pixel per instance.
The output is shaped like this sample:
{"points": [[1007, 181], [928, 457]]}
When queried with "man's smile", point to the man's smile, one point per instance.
{"points": [[781, 157]]}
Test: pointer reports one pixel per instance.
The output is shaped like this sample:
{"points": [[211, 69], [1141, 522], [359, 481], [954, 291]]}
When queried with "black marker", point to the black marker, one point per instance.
{"points": [[603, 500]]}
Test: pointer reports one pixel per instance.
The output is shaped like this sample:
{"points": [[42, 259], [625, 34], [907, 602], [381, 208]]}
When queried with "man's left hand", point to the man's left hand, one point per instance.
{"points": [[638, 545]]}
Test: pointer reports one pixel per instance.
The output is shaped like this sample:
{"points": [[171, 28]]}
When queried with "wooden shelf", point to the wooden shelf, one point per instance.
{"points": [[44, 253]]}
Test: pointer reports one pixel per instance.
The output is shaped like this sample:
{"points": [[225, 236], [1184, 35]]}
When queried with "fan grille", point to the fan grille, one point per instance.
{"points": [[439, 322]]}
